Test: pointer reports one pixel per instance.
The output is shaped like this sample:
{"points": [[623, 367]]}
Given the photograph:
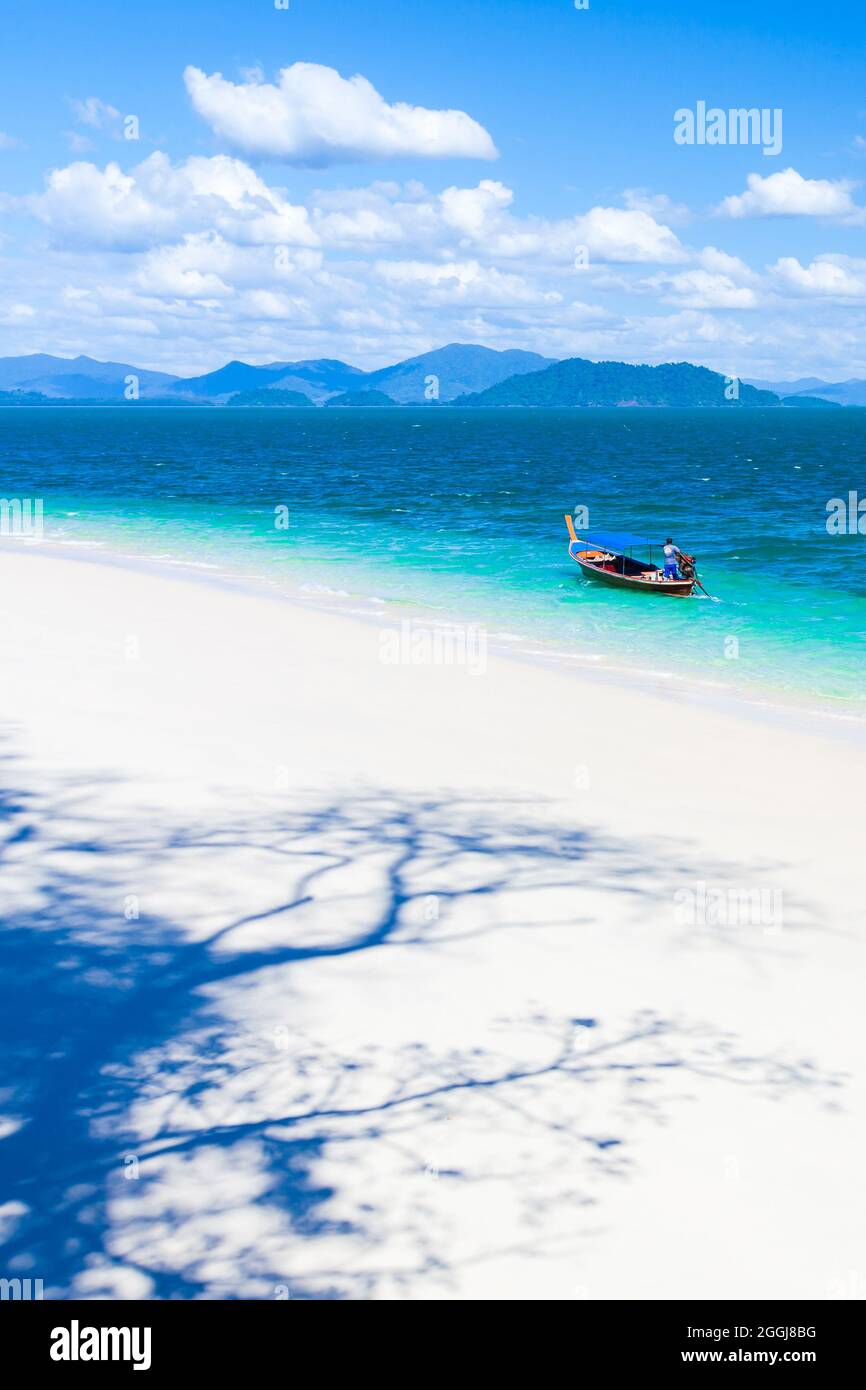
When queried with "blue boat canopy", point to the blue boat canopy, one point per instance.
{"points": [[619, 541]]}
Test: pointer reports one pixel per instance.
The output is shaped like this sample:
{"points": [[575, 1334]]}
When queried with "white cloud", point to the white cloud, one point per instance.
{"points": [[788, 194], [717, 281], [656, 204], [314, 116], [701, 289], [88, 206], [17, 313], [150, 309], [157, 202], [473, 211], [8, 142], [95, 113], [711, 258], [617, 234], [483, 218], [836, 277], [466, 282], [378, 216], [192, 268], [206, 266], [78, 143]]}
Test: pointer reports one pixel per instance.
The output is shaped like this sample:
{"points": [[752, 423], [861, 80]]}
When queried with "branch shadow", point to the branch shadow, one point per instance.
{"points": [[163, 1134]]}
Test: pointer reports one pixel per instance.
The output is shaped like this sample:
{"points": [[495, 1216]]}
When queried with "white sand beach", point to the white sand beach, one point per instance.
{"points": [[331, 976]]}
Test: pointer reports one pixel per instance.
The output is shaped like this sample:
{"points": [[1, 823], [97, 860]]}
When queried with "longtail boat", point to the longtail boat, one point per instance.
{"points": [[609, 556]]}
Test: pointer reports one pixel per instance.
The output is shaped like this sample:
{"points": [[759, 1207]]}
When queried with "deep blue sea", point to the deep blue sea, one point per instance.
{"points": [[460, 513]]}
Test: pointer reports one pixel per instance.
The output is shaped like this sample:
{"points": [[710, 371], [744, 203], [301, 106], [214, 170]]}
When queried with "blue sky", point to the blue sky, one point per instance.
{"points": [[271, 218]]}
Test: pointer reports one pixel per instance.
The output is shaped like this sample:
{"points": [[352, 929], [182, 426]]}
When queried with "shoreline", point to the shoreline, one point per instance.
{"points": [[755, 701]]}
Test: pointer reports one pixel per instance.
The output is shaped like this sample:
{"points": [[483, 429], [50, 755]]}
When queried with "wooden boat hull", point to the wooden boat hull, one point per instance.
{"points": [[671, 588]]}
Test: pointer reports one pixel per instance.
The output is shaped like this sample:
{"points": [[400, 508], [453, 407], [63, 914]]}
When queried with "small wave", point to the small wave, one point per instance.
{"points": [[325, 589], [195, 564]]}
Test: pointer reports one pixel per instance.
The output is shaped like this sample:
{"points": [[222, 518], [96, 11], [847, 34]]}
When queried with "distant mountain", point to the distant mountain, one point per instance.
{"points": [[225, 381], [464, 372], [320, 377], [455, 369], [78, 377], [365, 398], [316, 379], [810, 402], [272, 399], [435, 376], [17, 371], [788, 388], [77, 386], [851, 392], [578, 382]]}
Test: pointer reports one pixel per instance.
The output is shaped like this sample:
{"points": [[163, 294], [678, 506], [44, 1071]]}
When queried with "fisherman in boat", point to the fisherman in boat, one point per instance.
{"points": [[672, 556]]}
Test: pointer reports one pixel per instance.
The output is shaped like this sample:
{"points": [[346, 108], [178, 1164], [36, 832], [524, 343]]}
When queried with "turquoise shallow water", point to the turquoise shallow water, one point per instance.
{"points": [[461, 512]]}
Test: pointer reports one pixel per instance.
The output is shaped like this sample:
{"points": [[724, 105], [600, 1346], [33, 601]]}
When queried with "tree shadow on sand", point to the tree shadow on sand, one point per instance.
{"points": [[177, 1124]]}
